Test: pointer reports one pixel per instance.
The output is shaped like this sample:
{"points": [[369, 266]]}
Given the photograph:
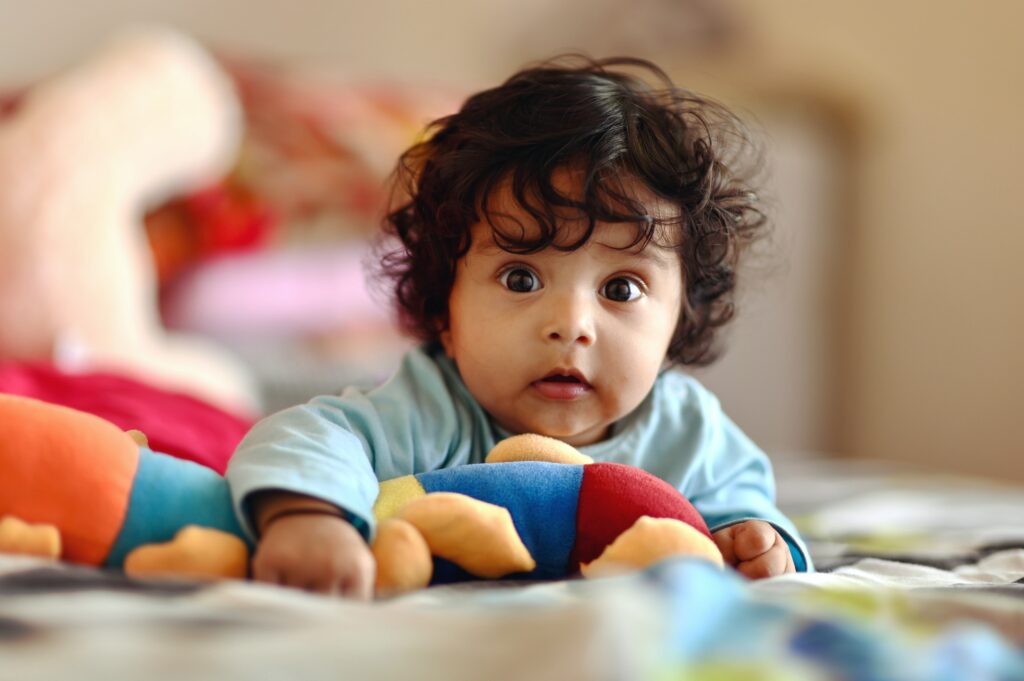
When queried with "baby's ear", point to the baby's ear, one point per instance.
{"points": [[446, 341]]}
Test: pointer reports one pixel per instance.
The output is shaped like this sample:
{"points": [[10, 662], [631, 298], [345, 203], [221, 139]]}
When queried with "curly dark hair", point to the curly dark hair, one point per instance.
{"points": [[604, 120]]}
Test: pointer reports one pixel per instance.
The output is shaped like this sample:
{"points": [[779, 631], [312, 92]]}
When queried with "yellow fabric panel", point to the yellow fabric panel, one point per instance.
{"points": [[396, 493]]}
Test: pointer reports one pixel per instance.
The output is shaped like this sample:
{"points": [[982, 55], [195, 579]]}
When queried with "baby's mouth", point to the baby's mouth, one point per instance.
{"points": [[563, 385]]}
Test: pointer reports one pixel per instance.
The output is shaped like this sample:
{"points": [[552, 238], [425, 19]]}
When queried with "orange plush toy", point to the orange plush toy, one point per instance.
{"points": [[73, 486]]}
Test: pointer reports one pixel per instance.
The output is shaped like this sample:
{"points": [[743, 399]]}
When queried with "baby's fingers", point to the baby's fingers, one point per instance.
{"points": [[359, 579], [724, 540], [261, 573], [752, 539], [775, 561], [745, 541], [266, 570]]}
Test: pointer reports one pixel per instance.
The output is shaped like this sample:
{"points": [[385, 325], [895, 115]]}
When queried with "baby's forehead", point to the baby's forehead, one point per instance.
{"points": [[568, 182], [610, 239]]}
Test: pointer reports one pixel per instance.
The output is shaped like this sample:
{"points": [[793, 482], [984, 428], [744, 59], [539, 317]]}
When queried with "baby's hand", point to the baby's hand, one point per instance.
{"points": [[755, 549], [319, 552]]}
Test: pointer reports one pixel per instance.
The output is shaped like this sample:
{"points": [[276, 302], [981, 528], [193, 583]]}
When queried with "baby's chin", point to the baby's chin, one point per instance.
{"points": [[574, 437], [577, 425]]}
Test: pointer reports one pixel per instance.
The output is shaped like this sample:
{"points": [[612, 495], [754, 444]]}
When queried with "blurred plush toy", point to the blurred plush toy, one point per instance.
{"points": [[74, 486], [81, 156]]}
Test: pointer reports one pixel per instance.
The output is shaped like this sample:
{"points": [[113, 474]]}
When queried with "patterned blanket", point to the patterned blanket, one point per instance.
{"points": [[920, 580], [681, 619]]}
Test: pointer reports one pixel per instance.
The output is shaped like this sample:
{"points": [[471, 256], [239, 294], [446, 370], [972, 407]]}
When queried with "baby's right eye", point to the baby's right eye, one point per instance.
{"points": [[520, 280]]}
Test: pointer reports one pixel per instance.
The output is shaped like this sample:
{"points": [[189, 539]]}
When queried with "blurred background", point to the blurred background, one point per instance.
{"points": [[883, 321]]}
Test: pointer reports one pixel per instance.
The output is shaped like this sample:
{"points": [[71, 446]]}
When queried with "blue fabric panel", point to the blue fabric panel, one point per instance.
{"points": [[542, 498], [168, 494]]}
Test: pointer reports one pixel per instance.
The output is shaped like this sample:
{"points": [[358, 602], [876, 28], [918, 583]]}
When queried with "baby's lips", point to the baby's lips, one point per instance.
{"points": [[561, 390], [567, 376]]}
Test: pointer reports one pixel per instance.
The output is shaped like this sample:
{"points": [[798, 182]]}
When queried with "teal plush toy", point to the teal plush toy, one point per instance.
{"points": [[74, 486]]}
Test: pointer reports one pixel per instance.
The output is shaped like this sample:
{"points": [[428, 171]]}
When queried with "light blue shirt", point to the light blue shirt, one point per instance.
{"points": [[423, 418]]}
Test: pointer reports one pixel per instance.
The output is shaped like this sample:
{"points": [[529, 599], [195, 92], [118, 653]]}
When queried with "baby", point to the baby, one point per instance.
{"points": [[566, 239]]}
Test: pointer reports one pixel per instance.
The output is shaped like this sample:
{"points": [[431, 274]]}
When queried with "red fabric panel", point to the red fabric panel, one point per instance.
{"points": [[175, 423], [612, 497]]}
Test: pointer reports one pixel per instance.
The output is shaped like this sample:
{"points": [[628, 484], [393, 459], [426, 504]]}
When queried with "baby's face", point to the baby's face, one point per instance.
{"points": [[562, 343]]}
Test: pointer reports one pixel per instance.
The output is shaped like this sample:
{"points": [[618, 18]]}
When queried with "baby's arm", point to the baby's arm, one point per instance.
{"points": [[731, 483], [317, 458], [325, 458], [735, 492]]}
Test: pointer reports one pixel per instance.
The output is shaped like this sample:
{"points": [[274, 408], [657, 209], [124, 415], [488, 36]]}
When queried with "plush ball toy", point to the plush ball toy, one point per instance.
{"points": [[83, 154], [76, 487], [537, 509]]}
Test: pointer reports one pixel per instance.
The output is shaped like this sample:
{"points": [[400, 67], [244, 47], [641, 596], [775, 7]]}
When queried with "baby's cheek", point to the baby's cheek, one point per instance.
{"points": [[627, 387]]}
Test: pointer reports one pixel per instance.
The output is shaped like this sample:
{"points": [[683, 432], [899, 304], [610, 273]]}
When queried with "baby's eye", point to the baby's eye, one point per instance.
{"points": [[520, 280], [622, 290]]}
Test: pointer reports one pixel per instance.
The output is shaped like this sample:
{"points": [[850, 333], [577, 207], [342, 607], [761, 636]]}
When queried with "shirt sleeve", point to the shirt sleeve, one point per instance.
{"points": [[336, 448], [732, 482]]}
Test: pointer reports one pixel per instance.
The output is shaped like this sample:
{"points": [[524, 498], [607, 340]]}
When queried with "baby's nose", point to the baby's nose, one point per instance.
{"points": [[570, 320]]}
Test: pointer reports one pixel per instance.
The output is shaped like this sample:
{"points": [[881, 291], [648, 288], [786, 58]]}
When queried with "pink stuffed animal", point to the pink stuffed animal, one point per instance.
{"points": [[146, 117]]}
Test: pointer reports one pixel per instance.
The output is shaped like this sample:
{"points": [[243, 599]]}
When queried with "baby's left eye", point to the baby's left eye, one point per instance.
{"points": [[622, 290]]}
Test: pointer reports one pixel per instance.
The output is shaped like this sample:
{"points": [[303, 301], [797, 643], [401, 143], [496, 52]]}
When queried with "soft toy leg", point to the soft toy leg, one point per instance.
{"points": [[195, 552], [403, 558], [30, 540], [648, 541], [148, 116], [477, 536]]}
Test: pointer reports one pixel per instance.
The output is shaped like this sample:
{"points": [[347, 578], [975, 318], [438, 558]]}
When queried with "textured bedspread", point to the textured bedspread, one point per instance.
{"points": [[682, 619], [923, 579]]}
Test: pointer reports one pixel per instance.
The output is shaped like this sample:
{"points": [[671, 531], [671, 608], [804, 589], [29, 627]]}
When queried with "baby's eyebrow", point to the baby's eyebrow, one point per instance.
{"points": [[659, 257], [651, 254]]}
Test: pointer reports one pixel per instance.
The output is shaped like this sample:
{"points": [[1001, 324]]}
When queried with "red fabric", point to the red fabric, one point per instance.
{"points": [[613, 497], [175, 423]]}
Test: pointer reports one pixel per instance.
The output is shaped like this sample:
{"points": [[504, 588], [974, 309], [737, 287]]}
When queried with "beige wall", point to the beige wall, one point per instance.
{"points": [[461, 40], [930, 365], [934, 366]]}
